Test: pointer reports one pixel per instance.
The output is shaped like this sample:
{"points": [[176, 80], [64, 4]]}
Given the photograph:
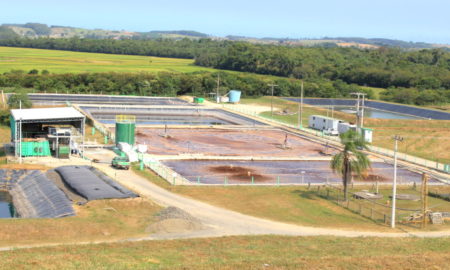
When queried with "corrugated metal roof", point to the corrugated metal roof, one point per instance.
{"points": [[46, 113]]}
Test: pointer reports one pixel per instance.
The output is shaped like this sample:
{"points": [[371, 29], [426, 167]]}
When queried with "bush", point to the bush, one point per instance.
{"points": [[15, 100]]}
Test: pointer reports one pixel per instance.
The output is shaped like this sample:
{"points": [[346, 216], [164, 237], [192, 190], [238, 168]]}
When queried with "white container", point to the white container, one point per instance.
{"points": [[323, 123]]}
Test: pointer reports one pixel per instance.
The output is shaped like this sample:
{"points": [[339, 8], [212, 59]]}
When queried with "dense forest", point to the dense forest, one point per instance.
{"points": [[383, 67], [414, 77]]}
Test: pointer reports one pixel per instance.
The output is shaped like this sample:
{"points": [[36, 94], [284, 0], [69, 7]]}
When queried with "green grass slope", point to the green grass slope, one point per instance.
{"points": [[78, 62]]}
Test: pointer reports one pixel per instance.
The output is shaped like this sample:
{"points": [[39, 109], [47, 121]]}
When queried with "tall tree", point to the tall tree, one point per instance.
{"points": [[19, 98], [351, 160]]}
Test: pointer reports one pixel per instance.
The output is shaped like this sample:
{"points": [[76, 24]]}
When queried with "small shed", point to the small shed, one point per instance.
{"points": [[320, 122], [40, 132]]}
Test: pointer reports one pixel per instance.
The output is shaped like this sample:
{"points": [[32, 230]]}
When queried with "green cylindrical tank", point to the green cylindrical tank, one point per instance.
{"points": [[125, 132]]}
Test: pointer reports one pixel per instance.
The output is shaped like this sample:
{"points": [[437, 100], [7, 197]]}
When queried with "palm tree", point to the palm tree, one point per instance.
{"points": [[350, 160]]}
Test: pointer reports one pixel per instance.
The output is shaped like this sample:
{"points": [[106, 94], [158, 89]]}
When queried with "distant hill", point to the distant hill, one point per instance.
{"points": [[35, 30]]}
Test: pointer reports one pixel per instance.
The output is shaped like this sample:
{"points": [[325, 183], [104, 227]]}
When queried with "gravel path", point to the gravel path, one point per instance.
{"points": [[223, 222], [218, 221]]}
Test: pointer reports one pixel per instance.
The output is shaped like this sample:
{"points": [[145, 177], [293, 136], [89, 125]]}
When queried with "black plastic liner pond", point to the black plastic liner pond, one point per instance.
{"points": [[92, 184], [398, 108], [35, 196]]}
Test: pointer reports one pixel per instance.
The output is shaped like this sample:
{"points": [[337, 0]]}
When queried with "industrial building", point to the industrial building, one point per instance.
{"points": [[47, 131]]}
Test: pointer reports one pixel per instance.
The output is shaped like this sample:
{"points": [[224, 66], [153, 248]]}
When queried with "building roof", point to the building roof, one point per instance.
{"points": [[324, 117], [46, 113]]}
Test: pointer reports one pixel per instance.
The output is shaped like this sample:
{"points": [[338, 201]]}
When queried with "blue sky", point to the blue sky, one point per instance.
{"points": [[411, 20]]}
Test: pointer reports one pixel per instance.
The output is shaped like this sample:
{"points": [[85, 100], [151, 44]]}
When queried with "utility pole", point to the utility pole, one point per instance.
{"points": [[218, 85], [3, 100], [359, 108], [424, 199], [271, 99], [300, 111], [394, 185]]}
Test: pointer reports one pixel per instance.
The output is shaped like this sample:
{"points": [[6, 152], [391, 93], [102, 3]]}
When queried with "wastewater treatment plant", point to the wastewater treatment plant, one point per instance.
{"points": [[94, 159]]}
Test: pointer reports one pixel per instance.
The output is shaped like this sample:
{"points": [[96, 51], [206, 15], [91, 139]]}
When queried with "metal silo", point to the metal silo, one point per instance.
{"points": [[125, 129]]}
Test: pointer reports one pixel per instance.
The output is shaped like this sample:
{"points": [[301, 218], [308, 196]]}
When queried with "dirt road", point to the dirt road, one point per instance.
{"points": [[223, 222]]}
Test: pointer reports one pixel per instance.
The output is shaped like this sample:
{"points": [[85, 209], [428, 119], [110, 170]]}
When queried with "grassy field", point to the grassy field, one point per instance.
{"points": [[76, 62], [300, 205], [423, 138], [289, 204], [96, 220], [5, 134], [243, 252]]}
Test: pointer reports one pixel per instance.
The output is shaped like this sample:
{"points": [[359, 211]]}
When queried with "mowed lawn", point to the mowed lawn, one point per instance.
{"points": [[76, 62], [427, 139], [241, 252]]}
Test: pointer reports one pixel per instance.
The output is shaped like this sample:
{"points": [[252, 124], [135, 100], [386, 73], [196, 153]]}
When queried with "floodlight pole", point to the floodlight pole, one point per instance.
{"points": [[271, 99], [394, 185]]}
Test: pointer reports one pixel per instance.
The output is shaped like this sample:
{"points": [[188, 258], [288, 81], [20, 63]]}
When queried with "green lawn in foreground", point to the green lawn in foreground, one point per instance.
{"points": [[241, 252], [76, 62]]}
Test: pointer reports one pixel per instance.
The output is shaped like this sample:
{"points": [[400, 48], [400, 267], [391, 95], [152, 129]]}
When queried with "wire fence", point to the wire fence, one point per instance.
{"points": [[335, 139], [166, 173], [372, 209]]}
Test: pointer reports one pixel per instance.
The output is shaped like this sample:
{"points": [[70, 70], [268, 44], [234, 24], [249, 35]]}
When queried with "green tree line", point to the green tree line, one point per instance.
{"points": [[412, 77], [185, 48], [383, 67], [171, 84]]}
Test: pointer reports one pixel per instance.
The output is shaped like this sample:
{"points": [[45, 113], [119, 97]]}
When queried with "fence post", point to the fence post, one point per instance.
{"points": [[225, 181], [198, 180], [253, 180], [278, 181]]}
